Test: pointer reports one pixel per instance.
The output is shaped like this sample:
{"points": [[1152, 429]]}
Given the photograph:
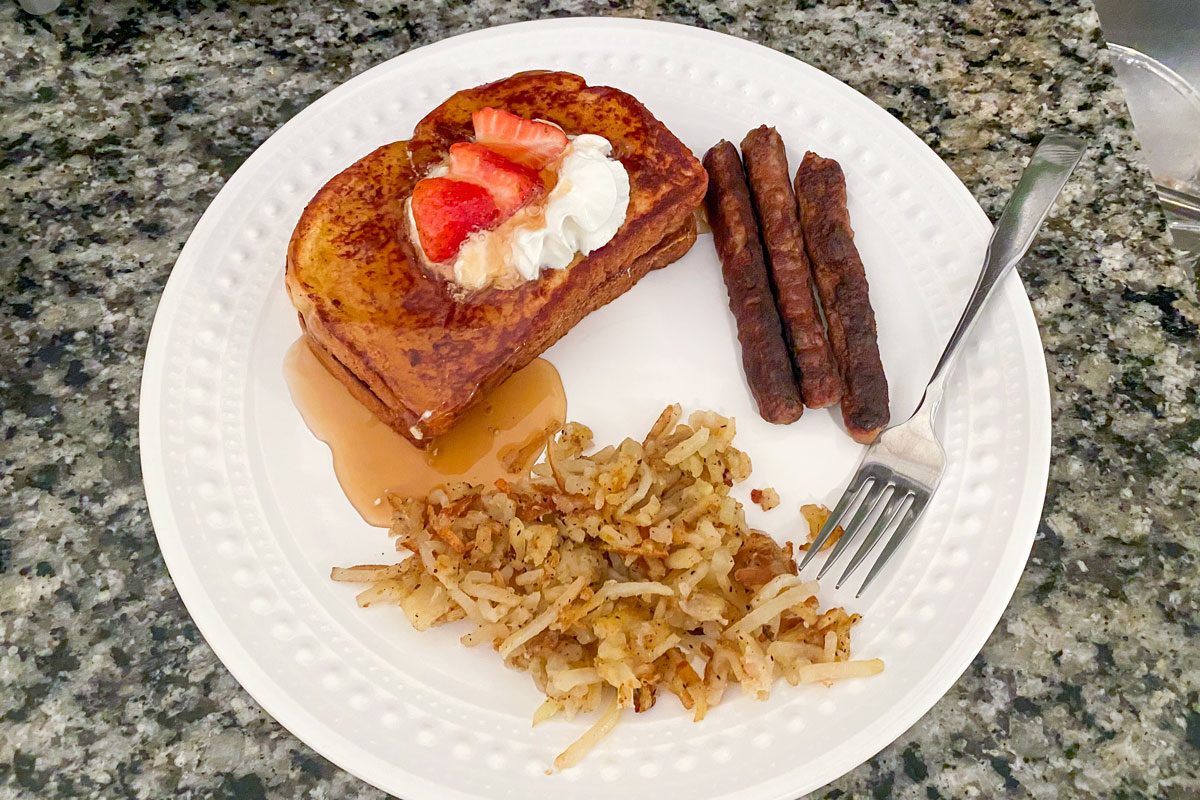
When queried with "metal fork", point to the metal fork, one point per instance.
{"points": [[901, 470]]}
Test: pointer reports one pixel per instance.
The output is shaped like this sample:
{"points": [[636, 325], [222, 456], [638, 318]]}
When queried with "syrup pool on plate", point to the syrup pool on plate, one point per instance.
{"points": [[501, 437]]}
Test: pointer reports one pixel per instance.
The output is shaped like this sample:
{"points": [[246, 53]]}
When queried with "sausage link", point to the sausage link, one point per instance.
{"points": [[842, 284], [735, 233], [771, 186]]}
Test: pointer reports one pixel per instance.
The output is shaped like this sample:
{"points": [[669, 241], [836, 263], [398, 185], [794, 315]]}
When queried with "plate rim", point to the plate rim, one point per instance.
{"points": [[328, 741]]}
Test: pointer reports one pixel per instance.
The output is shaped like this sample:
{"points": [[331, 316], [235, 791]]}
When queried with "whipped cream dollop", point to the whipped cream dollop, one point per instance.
{"points": [[582, 213]]}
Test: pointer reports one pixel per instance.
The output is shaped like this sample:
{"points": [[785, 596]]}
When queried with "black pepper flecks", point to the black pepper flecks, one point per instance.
{"points": [[121, 121]]}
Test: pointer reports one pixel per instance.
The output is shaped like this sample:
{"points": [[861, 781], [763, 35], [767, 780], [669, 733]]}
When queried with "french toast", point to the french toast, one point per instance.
{"points": [[672, 248], [410, 344]]}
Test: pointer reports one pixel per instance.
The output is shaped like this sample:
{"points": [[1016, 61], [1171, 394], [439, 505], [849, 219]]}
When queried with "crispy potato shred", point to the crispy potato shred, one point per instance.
{"points": [[766, 499], [816, 516], [622, 573]]}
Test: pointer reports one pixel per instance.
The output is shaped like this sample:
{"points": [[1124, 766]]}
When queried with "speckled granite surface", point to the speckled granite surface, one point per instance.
{"points": [[118, 126]]}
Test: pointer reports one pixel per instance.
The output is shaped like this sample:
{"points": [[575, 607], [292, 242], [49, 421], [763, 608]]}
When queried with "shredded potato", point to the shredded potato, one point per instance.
{"points": [[766, 499], [837, 670], [618, 574], [546, 711], [581, 746], [816, 516]]}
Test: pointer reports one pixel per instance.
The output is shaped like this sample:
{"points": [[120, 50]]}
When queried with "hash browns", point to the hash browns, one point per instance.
{"points": [[623, 573]]}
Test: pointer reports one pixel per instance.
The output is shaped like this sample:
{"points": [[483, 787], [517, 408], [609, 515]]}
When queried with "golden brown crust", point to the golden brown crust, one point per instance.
{"points": [[770, 180], [845, 296], [672, 248], [424, 352], [735, 234]]}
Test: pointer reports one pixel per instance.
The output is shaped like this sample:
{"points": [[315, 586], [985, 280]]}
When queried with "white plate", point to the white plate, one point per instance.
{"points": [[250, 518]]}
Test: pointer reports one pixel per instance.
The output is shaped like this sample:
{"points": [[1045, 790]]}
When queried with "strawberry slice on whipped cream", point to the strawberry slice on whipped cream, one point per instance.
{"points": [[515, 160]]}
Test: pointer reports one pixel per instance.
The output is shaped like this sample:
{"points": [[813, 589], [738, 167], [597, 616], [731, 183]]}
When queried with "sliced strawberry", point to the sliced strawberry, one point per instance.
{"points": [[447, 212], [534, 144], [511, 185]]}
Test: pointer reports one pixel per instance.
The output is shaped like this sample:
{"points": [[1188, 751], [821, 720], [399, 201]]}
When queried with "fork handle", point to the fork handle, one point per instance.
{"points": [[1041, 183]]}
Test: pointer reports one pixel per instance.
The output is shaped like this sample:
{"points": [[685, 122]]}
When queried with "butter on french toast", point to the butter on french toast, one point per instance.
{"points": [[410, 344]]}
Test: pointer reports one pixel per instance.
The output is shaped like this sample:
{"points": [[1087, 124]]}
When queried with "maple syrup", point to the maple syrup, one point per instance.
{"points": [[500, 437]]}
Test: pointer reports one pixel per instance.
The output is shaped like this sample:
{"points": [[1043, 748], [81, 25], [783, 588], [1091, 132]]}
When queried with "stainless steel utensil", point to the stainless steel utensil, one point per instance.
{"points": [[901, 470]]}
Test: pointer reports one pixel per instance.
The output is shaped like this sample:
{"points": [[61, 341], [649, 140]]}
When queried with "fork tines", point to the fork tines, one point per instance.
{"points": [[882, 502]]}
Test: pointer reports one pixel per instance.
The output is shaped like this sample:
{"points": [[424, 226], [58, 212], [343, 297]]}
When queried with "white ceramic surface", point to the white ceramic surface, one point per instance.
{"points": [[250, 517]]}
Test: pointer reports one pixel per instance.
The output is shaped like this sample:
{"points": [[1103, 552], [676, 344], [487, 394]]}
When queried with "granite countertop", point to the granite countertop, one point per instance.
{"points": [[119, 125]]}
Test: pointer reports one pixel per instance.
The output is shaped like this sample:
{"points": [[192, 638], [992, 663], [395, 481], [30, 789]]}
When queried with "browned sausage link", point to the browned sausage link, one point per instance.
{"points": [[842, 284], [764, 353], [771, 186]]}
